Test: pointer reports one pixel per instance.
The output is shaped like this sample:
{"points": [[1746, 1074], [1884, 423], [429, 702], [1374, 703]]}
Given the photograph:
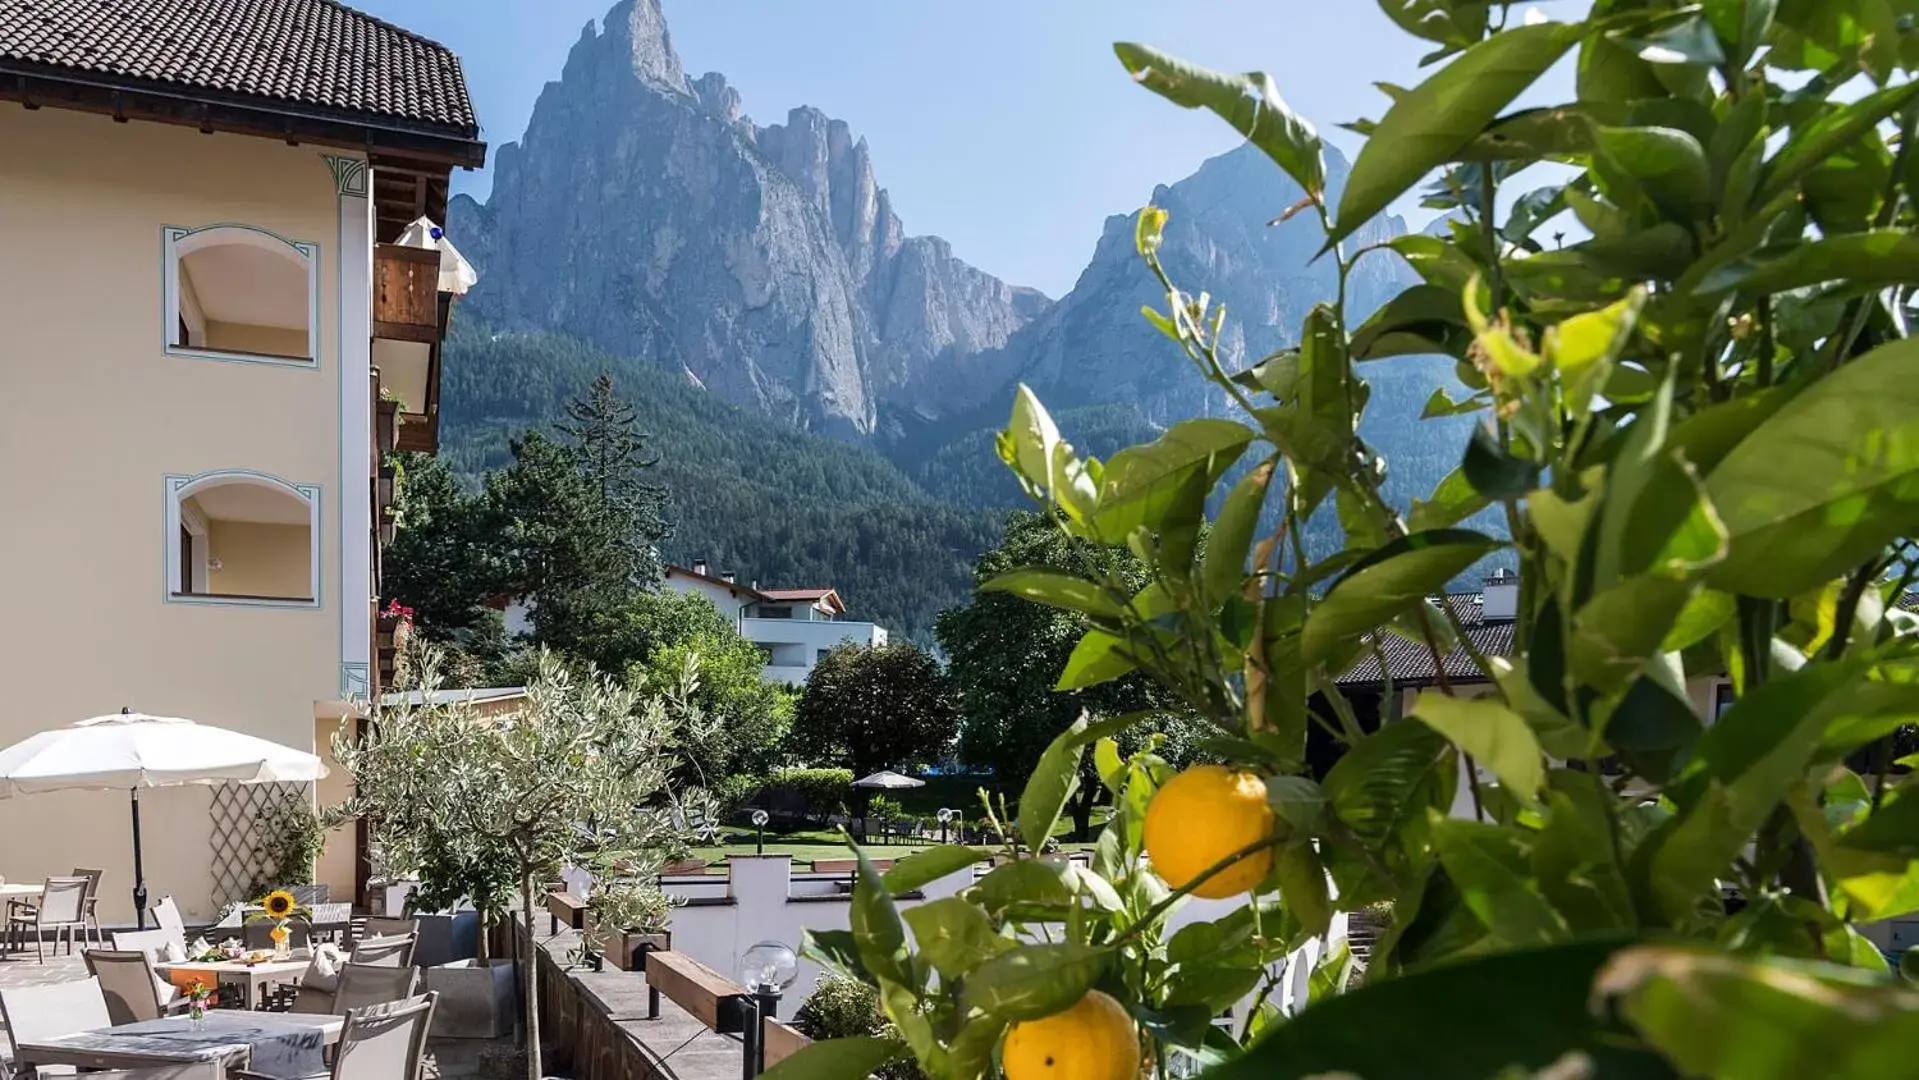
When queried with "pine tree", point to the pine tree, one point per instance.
{"points": [[613, 459]]}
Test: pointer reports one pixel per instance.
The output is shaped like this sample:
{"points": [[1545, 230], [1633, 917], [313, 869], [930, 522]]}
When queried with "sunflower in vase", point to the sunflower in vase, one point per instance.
{"points": [[280, 908]]}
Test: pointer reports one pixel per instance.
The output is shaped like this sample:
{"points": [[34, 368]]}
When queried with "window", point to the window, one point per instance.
{"points": [[1722, 699], [243, 538], [234, 292]]}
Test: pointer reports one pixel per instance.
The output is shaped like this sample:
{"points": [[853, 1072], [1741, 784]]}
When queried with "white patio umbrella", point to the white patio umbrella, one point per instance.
{"points": [[887, 780], [132, 750]]}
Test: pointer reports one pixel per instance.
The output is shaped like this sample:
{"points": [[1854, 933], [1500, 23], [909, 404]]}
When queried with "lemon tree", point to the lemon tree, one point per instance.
{"points": [[1678, 308]]}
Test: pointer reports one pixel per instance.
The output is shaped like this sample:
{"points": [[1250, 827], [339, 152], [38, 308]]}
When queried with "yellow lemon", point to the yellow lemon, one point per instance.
{"points": [[1093, 1040], [1203, 815]]}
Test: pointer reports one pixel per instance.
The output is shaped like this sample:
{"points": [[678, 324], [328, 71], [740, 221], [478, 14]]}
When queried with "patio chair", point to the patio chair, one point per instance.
{"points": [[35, 1013], [393, 951], [360, 986], [134, 991], [166, 915], [90, 914], [199, 1070], [379, 1042], [258, 934], [374, 926], [63, 906]]}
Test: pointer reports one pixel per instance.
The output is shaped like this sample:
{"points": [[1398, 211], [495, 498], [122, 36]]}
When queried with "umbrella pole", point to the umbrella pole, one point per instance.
{"points": [[139, 872]]}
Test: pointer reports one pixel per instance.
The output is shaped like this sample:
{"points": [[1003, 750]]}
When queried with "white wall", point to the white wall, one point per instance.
{"points": [[796, 644], [729, 601]]}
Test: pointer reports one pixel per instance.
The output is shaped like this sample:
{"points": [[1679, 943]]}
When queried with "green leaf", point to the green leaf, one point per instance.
{"points": [[1893, 829], [1484, 1014], [1141, 484], [1438, 118], [1302, 885], [1806, 150], [924, 867], [1575, 856], [1452, 502], [1718, 1015], [1493, 472], [1669, 165], [1688, 41], [1868, 260], [1494, 735], [1492, 866], [1848, 487], [1424, 319], [1249, 102], [954, 936], [837, 1059], [1224, 571], [1026, 883], [1330, 973], [1032, 447], [877, 929], [1215, 987], [1448, 22], [1110, 765], [835, 950], [1096, 659], [1054, 589], [1032, 981], [1741, 26], [1388, 581], [1297, 801], [1372, 788], [1441, 404], [1054, 779], [1436, 261]]}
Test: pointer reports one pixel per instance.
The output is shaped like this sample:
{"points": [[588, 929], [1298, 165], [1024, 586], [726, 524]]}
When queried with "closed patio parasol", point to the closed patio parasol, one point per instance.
{"points": [[132, 750]]}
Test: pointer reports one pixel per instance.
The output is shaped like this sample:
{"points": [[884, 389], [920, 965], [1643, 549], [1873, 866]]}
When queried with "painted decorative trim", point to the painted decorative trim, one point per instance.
{"points": [[356, 681], [171, 238], [179, 487], [349, 175]]}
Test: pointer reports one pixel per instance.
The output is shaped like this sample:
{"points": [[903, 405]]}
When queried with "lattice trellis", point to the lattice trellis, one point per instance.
{"points": [[239, 855]]}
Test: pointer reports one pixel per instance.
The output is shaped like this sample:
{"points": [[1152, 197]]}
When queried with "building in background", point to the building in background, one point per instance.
{"points": [[215, 338], [793, 627]]}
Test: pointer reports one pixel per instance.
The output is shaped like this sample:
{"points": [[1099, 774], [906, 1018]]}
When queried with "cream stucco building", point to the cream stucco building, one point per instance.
{"points": [[211, 345]]}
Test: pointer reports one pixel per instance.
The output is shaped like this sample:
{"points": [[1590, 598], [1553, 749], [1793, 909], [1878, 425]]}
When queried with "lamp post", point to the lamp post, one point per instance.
{"points": [[767, 969], [760, 818], [945, 815]]}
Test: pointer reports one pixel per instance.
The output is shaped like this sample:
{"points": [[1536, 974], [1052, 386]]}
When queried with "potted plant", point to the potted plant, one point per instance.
{"points": [[629, 917], [580, 776]]}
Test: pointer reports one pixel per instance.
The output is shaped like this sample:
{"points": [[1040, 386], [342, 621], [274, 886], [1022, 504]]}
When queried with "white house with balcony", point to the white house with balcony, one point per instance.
{"points": [[793, 627]]}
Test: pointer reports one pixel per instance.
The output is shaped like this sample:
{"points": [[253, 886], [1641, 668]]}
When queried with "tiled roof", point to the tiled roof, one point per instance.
{"points": [[1412, 662], [313, 53], [796, 594]]}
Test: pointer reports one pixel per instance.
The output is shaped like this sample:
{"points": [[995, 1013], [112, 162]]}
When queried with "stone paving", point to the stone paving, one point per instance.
{"points": [[447, 1059]]}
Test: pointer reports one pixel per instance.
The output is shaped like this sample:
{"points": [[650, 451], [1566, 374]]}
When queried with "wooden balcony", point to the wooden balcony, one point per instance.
{"points": [[406, 294], [385, 646]]}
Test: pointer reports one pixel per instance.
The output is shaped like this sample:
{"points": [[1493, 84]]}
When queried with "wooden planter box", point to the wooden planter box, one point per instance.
{"points": [[624, 950]]}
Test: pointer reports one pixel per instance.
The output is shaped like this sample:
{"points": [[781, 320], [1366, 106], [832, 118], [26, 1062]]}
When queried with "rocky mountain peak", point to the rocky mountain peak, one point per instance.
{"points": [[646, 213], [640, 27]]}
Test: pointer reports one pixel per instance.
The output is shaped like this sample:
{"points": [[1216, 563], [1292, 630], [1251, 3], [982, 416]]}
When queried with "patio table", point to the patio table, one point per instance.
{"points": [[250, 978], [22, 890], [282, 1045]]}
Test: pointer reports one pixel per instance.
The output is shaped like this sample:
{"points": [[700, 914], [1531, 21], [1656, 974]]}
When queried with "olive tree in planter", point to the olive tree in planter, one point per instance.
{"points": [[578, 776], [628, 917]]}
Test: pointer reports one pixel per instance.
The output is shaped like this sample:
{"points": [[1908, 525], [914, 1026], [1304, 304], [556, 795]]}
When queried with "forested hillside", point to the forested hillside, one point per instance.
{"points": [[749, 493]]}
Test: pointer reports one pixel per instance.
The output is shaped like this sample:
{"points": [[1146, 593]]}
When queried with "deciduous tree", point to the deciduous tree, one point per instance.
{"points": [[869, 709]]}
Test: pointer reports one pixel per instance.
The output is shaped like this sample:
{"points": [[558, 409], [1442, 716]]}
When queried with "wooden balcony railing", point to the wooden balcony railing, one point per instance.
{"points": [[406, 293]]}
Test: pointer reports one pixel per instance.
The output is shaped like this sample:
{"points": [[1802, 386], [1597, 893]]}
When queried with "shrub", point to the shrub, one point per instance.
{"points": [[843, 1008], [815, 794]]}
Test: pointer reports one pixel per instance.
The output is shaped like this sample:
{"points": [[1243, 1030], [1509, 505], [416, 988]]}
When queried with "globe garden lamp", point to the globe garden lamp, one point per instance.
{"points": [[945, 815], [767, 969], [760, 818]]}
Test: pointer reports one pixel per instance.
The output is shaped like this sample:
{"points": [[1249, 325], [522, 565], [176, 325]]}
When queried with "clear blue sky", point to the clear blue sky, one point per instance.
{"points": [[1005, 126]]}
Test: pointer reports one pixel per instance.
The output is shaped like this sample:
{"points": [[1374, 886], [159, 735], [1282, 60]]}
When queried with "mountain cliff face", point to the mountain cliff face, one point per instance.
{"points": [[643, 212], [1093, 347]]}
